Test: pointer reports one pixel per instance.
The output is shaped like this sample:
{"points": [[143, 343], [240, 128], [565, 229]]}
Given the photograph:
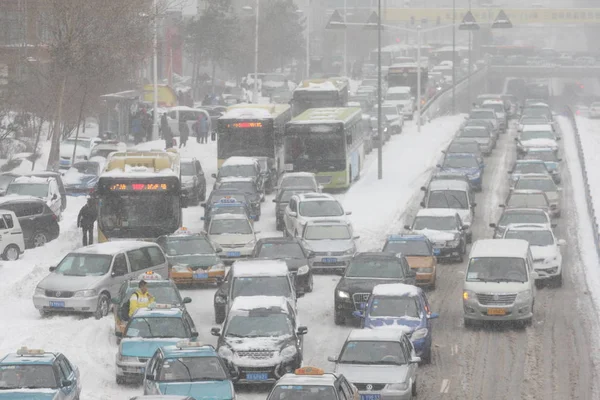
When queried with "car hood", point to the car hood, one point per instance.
{"points": [[225, 240], [364, 285], [358, 373], [405, 324], [465, 170], [544, 251], [539, 143], [77, 179], [194, 260], [257, 343], [145, 347], [329, 245], [221, 390], [29, 394], [420, 262], [438, 236], [69, 283]]}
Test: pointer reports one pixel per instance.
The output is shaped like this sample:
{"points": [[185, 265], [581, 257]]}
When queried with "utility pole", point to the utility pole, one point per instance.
{"points": [[419, 78], [155, 73], [379, 131], [255, 92], [453, 56], [345, 69]]}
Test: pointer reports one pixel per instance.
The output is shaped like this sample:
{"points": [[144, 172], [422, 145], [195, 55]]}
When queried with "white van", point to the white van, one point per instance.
{"points": [[499, 282], [401, 96], [189, 115], [12, 243]]}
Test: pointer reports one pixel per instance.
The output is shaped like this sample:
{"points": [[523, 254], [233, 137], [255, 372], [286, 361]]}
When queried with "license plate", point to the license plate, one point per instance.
{"points": [[143, 369], [496, 311], [257, 376], [233, 254], [201, 275], [437, 252], [370, 397], [330, 260], [57, 304]]}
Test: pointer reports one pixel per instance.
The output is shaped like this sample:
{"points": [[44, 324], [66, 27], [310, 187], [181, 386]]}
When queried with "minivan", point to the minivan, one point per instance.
{"points": [[45, 188], [499, 282], [86, 279]]}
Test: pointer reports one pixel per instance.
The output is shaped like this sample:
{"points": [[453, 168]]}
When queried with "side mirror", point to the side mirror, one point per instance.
{"points": [[415, 360], [66, 382], [516, 139], [52, 269], [186, 300], [559, 159], [119, 334], [492, 225], [215, 331], [348, 212], [561, 242], [433, 315], [302, 330], [423, 188], [202, 219], [274, 200], [473, 205], [501, 206], [464, 227], [194, 335], [149, 377], [407, 227], [332, 359], [214, 175], [358, 314]]}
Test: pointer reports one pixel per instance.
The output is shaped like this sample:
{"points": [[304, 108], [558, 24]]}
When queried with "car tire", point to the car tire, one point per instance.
{"points": [[470, 238], [426, 359], [103, 306], [469, 323], [43, 313], [413, 391], [338, 318], [11, 253], [310, 286], [40, 238], [121, 380]]}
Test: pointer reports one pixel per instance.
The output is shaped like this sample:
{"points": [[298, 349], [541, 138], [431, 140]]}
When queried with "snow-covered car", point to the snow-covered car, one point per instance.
{"points": [[481, 135], [528, 167], [81, 178], [444, 229], [520, 215], [234, 95], [240, 167], [499, 109], [19, 163], [105, 147], [402, 96], [291, 180], [395, 118], [547, 185], [42, 188], [83, 150], [309, 207], [261, 339], [485, 114], [234, 233], [535, 136], [545, 249], [548, 156], [332, 243], [527, 199], [248, 186], [193, 181], [531, 120], [380, 363], [594, 110]]}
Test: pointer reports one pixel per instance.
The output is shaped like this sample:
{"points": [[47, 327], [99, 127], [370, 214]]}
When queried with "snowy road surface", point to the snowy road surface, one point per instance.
{"points": [[552, 359]]}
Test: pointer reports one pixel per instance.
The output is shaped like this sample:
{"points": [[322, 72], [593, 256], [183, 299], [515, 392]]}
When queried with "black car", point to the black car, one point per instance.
{"points": [[268, 172], [247, 186], [225, 196], [295, 256], [193, 181], [282, 199], [39, 223], [261, 339], [365, 271]]}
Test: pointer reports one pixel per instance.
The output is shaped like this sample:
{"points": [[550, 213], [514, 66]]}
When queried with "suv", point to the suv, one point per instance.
{"points": [[291, 180], [39, 223], [332, 243], [310, 206], [193, 181], [282, 199], [42, 188]]}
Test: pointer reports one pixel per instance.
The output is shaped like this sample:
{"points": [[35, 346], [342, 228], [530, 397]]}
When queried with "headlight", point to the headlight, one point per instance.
{"points": [[126, 359], [426, 270], [350, 251], [288, 352], [220, 300], [419, 334], [303, 270], [397, 387], [468, 295], [524, 296], [39, 292], [474, 175], [225, 352], [85, 293], [343, 295]]}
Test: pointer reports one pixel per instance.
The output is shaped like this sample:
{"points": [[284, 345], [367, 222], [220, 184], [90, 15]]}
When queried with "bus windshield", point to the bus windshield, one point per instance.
{"points": [[250, 142], [310, 145]]}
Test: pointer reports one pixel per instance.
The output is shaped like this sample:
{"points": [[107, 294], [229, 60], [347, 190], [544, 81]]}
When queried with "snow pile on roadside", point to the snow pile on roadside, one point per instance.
{"points": [[408, 161], [589, 132]]}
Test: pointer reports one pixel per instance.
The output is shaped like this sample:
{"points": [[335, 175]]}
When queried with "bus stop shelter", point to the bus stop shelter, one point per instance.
{"points": [[116, 113]]}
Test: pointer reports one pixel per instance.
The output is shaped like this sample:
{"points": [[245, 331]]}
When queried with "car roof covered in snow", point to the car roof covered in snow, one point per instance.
{"points": [[525, 210], [330, 84], [383, 335], [173, 351], [239, 161], [247, 303], [228, 216], [233, 179], [448, 184], [437, 212], [18, 198], [32, 180], [499, 248], [328, 115], [248, 268], [33, 359], [298, 175], [399, 89], [112, 248], [527, 192], [407, 237], [141, 164], [534, 176], [396, 289], [537, 128], [312, 196]]}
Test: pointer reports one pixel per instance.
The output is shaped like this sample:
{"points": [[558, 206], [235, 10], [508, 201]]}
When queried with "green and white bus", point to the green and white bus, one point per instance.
{"points": [[315, 93], [328, 142]]}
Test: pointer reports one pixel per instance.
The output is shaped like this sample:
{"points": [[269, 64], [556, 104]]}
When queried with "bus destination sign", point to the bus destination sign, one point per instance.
{"points": [[138, 187], [244, 125]]}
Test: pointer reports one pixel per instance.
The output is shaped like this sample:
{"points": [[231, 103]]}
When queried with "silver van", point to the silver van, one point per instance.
{"points": [[499, 282], [86, 279]]}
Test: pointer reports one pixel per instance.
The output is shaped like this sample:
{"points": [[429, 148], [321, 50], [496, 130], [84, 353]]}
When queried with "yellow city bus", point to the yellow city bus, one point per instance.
{"points": [[253, 130], [328, 142], [319, 93], [139, 195]]}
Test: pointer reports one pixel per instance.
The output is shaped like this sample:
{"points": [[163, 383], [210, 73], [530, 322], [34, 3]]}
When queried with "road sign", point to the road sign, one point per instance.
{"points": [[502, 21], [336, 21], [468, 23]]}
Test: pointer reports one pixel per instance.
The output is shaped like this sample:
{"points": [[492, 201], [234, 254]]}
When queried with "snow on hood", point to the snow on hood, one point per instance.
{"points": [[68, 283], [232, 239], [437, 236], [213, 390], [543, 251], [145, 347], [539, 143], [257, 343], [329, 245], [405, 324], [66, 150], [373, 373], [28, 394]]}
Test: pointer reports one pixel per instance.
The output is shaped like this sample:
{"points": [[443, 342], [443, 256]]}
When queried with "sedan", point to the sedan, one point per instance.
{"points": [[527, 199], [467, 164], [545, 184]]}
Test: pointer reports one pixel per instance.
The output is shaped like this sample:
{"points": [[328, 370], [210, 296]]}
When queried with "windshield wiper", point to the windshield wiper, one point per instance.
{"points": [[207, 379], [505, 280]]}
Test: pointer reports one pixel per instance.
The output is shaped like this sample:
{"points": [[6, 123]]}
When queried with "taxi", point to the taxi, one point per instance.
{"points": [[193, 259], [164, 291], [35, 374], [189, 368], [313, 383], [150, 328], [419, 253]]}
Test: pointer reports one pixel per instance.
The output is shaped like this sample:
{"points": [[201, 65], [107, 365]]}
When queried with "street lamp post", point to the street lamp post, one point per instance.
{"points": [[379, 130], [255, 92], [308, 12], [345, 69], [419, 78], [155, 73], [453, 56]]}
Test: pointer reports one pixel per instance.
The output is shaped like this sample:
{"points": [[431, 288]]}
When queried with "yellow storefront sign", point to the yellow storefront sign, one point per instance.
{"points": [[166, 95], [518, 16]]}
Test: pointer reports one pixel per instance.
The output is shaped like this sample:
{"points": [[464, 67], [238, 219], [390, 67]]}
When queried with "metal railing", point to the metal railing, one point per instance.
{"points": [[588, 193]]}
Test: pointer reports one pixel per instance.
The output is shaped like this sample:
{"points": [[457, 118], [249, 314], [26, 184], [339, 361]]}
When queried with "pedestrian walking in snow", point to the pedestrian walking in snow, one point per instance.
{"points": [[203, 128], [85, 220], [184, 133]]}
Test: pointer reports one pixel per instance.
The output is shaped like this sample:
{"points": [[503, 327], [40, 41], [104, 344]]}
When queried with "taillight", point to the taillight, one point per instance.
{"points": [[54, 217]]}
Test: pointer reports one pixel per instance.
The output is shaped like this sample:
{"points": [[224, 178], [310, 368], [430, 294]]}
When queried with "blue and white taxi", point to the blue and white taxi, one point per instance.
{"points": [[34, 374], [313, 383]]}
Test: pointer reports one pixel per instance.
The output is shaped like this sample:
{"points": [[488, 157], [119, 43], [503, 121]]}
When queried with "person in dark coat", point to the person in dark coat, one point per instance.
{"points": [[85, 220], [168, 136], [164, 125], [184, 133]]}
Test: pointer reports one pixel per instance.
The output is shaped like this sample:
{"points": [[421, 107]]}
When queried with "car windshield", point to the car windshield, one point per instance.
{"points": [[545, 155], [530, 135], [530, 168], [280, 250], [78, 264], [460, 162], [543, 184], [261, 286], [463, 148], [237, 209], [528, 200], [86, 168], [230, 226], [496, 269], [483, 114], [187, 169], [188, 245], [522, 218], [192, 369], [479, 122], [156, 327], [534, 237], [397, 306], [245, 187], [27, 376], [297, 181], [435, 223], [372, 352], [323, 232], [286, 195], [242, 170], [79, 142], [321, 208], [28, 189], [499, 108], [408, 248], [375, 268], [398, 96], [259, 324], [448, 199], [475, 132], [303, 392]]}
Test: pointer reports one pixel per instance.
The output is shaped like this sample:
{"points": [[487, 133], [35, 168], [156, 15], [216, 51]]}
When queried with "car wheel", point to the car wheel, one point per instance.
{"points": [[310, 285], [468, 323], [43, 313], [11, 253], [39, 239], [103, 306], [338, 318], [121, 380], [414, 389], [426, 360]]}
